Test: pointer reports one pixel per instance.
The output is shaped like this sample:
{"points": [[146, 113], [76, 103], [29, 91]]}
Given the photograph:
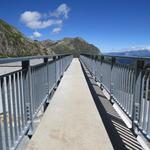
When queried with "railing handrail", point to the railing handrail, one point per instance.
{"points": [[117, 56], [27, 58]]}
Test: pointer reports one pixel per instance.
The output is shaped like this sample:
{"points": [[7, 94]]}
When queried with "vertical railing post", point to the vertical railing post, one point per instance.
{"points": [[62, 66], [27, 82], [101, 76], [93, 59], [137, 93], [113, 61], [93, 65], [59, 67], [54, 59], [47, 75], [96, 59], [47, 83]]}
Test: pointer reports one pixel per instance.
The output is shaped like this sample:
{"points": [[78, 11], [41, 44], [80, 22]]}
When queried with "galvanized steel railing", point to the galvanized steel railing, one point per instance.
{"points": [[127, 80], [24, 92]]}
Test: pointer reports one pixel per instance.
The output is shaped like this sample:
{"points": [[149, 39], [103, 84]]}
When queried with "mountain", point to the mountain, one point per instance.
{"points": [[14, 43], [142, 52], [72, 45], [136, 53]]}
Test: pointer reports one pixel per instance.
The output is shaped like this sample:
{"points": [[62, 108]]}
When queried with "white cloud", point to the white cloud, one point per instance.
{"points": [[135, 48], [63, 10], [34, 20], [37, 34], [56, 30], [29, 16]]}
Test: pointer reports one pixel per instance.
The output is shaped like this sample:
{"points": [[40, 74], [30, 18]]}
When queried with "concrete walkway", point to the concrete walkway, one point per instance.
{"points": [[71, 122]]}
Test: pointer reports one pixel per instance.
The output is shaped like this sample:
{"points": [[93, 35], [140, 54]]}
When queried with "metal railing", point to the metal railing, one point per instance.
{"points": [[24, 92], [127, 80]]}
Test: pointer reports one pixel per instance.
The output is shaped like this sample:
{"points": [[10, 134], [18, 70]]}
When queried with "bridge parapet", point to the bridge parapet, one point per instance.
{"points": [[24, 92], [127, 81]]}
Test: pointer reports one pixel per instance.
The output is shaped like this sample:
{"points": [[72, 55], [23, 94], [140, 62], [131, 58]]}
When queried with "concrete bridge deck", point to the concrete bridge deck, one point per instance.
{"points": [[71, 121]]}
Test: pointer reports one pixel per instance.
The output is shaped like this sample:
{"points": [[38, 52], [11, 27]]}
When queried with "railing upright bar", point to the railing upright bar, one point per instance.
{"points": [[47, 83], [54, 58], [1, 137], [127, 89], [148, 123], [137, 93], [14, 108], [4, 114], [10, 109], [147, 106], [18, 103], [47, 75], [113, 61], [101, 76], [28, 93], [21, 101]]}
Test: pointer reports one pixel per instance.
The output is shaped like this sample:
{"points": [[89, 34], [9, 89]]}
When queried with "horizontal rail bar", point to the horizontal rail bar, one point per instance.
{"points": [[117, 56], [16, 59]]}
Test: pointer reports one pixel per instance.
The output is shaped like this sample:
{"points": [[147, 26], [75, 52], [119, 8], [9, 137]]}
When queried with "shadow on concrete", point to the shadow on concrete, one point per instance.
{"points": [[120, 135]]}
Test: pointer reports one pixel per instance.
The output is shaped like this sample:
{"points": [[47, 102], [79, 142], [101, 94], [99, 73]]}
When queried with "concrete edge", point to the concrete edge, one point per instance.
{"points": [[126, 120], [123, 116], [143, 142]]}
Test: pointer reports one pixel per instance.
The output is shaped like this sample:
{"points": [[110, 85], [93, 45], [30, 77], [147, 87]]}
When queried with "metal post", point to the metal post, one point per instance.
{"points": [[92, 65], [137, 93], [47, 83], [113, 61], [54, 59], [96, 77], [59, 73], [101, 76], [5, 114], [28, 95], [59, 67], [47, 75]]}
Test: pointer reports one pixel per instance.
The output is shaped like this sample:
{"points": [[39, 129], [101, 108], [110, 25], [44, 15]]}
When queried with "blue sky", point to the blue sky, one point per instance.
{"points": [[112, 25]]}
